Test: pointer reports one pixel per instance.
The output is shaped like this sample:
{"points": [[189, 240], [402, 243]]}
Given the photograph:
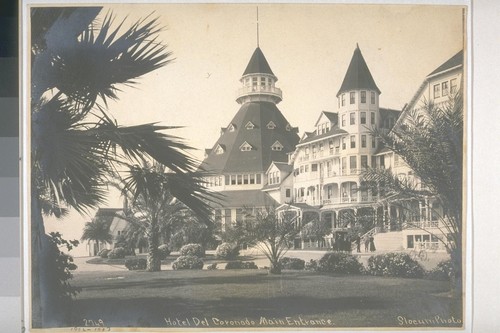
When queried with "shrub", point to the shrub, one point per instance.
{"points": [[212, 266], [104, 253], [193, 250], [312, 265], [339, 262], [443, 271], [136, 264], [164, 251], [292, 263], [395, 264], [117, 253], [187, 262], [227, 251], [241, 265]]}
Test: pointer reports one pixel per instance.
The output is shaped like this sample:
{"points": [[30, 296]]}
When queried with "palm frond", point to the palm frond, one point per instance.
{"points": [[95, 64]]}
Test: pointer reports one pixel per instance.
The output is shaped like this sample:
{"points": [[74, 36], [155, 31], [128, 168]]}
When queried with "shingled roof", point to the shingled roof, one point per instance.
{"points": [[358, 75], [456, 60], [243, 198], [332, 132], [260, 138], [258, 64]]}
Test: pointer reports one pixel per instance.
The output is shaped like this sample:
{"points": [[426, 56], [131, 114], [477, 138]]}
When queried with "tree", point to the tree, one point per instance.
{"points": [[160, 201], [97, 231], [316, 229], [78, 63], [270, 234], [430, 141]]}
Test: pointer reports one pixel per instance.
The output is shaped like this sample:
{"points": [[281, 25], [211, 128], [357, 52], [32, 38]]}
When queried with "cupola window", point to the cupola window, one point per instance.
{"points": [[363, 96]]}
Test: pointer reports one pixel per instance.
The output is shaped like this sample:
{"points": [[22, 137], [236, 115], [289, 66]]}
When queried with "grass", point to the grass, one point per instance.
{"points": [[158, 299]]}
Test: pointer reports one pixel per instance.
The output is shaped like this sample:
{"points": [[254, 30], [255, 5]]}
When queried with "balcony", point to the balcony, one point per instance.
{"points": [[334, 151], [421, 225], [259, 90], [345, 200]]}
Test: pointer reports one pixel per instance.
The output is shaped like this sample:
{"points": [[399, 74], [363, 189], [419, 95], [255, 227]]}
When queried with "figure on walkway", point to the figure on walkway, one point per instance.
{"points": [[372, 244], [367, 243], [358, 243]]}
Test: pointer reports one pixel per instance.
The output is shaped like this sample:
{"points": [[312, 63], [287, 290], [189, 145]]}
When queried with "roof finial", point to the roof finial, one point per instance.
{"points": [[357, 46], [257, 26]]}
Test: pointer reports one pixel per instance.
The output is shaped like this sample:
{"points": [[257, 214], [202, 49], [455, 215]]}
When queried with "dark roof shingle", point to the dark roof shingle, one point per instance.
{"points": [[258, 64], [358, 75], [260, 138], [456, 60]]}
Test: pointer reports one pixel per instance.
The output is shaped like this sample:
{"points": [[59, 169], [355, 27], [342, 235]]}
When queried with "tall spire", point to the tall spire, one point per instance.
{"points": [[358, 75]]}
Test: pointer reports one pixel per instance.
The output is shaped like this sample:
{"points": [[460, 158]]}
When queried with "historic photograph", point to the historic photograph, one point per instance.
{"points": [[247, 166]]}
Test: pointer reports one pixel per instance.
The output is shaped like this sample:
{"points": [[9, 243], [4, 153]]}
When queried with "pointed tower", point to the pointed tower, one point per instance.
{"points": [[256, 136], [258, 81], [358, 104]]}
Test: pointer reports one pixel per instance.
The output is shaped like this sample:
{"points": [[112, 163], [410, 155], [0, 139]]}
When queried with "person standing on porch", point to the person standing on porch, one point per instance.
{"points": [[358, 243], [372, 244], [367, 243]]}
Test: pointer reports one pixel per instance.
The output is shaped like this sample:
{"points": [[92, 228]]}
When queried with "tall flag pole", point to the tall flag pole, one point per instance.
{"points": [[257, 26]]}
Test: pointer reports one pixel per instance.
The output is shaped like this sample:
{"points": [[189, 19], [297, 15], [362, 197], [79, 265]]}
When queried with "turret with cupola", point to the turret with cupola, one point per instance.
{"points": [[258, 82]]}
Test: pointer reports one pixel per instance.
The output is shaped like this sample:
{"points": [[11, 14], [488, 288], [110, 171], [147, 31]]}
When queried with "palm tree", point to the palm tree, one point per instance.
{"points": [[270, 234], [159, 202], [97, 231], [430, 141], [78, 63]]}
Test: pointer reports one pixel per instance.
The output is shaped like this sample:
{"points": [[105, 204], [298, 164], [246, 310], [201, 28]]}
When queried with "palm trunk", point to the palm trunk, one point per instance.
{"points": [[154, 262], [46, 306], [275, 264], [37, 232]]}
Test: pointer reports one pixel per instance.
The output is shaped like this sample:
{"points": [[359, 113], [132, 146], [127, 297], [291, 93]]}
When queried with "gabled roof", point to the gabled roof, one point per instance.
{"points": [[386, 113], [333, 131], [456, 60], [281, 166], [106, 215], [261, 138], [258, 64], [358, 75], [382, 150], [334, 117], [331, 116]]}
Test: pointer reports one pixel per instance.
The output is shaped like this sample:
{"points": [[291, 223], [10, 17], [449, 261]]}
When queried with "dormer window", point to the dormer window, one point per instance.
{"points": [[245, 146], [288, 127], [249, 125], [277, 146], [231, 128], [271, 125], [219, 150]]}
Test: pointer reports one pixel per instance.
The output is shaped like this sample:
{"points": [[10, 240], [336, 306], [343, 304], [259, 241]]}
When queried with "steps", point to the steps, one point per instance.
{"points": [[389, 241]]}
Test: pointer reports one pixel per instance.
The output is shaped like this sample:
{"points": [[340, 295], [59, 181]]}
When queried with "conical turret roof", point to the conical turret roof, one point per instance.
{"points": [[258, 64], [358, 75]]}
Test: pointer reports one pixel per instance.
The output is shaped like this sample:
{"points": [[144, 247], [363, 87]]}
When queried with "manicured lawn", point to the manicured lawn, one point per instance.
{"points": [[128, 298]]}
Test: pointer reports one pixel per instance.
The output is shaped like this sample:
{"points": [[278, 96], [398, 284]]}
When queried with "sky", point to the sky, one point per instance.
{"points": [[308, 46]]}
